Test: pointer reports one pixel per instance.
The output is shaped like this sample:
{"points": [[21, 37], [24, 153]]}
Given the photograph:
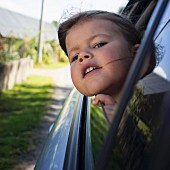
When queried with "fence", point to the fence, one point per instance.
{"points": [[14, 72]]}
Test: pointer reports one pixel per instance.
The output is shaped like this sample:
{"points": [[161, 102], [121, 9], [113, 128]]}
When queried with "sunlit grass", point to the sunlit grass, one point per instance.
{"points": [[21, 110]]}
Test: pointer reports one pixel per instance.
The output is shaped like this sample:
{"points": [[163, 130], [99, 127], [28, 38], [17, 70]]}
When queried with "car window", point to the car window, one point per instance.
{"points": [[99, 129], [138, 128], [162, 40], [143, 117]]}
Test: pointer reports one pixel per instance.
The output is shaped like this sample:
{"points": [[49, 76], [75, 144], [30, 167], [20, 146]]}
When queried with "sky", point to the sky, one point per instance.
{"points": [[54, 9]]}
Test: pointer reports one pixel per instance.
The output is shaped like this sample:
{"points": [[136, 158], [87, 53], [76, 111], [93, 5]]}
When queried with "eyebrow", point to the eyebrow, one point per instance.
{"points": [[73, 49], [89, 39]]}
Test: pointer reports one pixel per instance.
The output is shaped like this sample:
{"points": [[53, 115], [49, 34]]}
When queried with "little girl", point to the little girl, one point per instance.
{"points": [[101, 47]]}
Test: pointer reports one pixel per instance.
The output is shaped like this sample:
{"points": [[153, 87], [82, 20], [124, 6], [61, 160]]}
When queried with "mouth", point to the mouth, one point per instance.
{"points": [[89, 70]]}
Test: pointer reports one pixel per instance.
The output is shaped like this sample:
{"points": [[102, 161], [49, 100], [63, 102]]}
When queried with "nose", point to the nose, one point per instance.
{"points": [[83, 56]]}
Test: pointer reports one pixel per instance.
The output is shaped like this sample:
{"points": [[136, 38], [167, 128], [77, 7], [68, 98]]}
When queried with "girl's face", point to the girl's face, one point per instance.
{"points": [[93, 47]]}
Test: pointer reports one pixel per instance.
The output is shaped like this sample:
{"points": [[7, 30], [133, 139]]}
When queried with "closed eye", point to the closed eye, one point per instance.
{"points": [[74, 58], [101, 44]]}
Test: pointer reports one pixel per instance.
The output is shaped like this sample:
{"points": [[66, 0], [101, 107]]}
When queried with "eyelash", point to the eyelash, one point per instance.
{"points": [[98, 45], [101, 44], [74, 58]]}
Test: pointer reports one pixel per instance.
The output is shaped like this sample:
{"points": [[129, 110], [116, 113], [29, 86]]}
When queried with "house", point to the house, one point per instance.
{"points": [[20, 26]]}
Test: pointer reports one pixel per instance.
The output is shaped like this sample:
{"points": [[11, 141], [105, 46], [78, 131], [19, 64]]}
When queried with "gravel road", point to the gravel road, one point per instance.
{"points": [[63, 87]]}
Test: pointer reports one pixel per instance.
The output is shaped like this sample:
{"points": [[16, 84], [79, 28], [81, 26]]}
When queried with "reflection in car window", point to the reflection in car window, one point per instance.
{"points": [[163, 38], [99, 128], [139, 125]]}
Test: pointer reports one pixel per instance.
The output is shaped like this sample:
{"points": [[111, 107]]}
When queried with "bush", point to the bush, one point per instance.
{"points": [[16, 48], [6, 56], [48, 54], [62, 57]]}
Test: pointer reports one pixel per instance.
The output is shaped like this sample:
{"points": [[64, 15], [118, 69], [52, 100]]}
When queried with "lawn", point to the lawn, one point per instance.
{"points": [[21, 110]]}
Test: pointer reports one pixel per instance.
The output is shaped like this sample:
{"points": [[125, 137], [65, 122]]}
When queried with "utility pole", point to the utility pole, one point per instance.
{"points": [[40, 34]]}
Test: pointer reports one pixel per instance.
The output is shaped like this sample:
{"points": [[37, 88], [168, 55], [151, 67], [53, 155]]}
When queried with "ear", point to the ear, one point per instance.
{"points": [[134, 49]]}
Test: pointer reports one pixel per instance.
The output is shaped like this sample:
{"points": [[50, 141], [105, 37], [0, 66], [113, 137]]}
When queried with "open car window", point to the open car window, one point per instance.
{"points": [[136, 139]]}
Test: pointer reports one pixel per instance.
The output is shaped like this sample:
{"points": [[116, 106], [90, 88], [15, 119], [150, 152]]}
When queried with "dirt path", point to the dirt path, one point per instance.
{"points": [[63, 87]]}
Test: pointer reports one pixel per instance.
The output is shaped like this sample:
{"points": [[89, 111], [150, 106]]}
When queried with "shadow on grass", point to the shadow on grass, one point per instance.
{"points": [[57, 101], [56, 104], [21, 110]]}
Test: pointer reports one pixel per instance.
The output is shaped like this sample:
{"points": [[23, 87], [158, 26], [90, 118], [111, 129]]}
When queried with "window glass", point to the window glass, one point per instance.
{"points": [[142, 119], [162, 41], [139, 125], [99, 129]]}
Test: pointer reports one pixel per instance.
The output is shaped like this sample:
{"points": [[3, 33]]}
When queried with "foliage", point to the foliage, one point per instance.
{"points": [[63, 57], [29, 48], [55, 23], [59, 54], [9, 52], [13, 49], [47, 53], [5, 56], [52, 65], [21, 110]]}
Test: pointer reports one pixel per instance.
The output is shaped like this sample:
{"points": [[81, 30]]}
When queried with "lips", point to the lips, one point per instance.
{"points": [[89, 69]]}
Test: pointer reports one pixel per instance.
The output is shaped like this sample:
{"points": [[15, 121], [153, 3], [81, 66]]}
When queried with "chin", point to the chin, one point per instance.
{"points": [[91, 91], [87, 93]]}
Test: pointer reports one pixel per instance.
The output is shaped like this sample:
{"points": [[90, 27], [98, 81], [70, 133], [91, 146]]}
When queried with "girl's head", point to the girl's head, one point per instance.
{"points": [[126, 27], [120, 40]]}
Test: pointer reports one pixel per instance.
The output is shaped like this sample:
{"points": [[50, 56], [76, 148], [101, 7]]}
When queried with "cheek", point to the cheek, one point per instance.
{"points": [[108, 57], [75, 76], [118, 70], [119, 50], [105, 55], [114, 51]]}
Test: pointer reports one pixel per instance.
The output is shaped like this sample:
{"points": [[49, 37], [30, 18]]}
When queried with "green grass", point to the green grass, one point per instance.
{"points": [[53, 65], [21, 110], [99, 129]]}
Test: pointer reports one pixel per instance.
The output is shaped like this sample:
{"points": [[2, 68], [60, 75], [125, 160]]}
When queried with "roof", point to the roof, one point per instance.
{"points": [[20, 26]]}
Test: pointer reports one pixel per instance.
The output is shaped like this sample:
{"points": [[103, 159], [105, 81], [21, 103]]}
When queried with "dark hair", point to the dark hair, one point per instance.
{"points": [[131, 34]]}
